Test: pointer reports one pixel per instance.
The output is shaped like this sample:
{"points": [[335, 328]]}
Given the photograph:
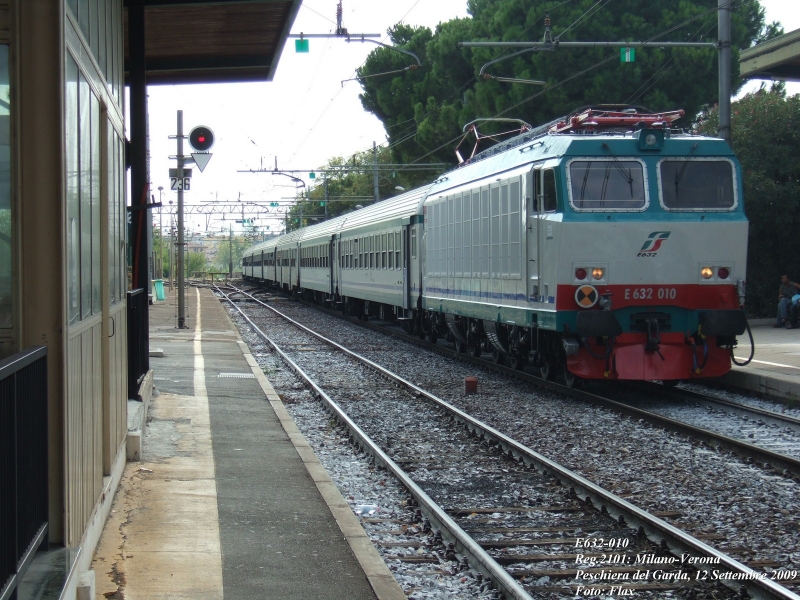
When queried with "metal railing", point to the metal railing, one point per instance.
{"points": [[24, 500], [138, 340]]}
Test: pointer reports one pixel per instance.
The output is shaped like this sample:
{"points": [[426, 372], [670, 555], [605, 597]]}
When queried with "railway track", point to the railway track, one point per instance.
{"points": [[722, 433], [769, 430], [546, 538]]}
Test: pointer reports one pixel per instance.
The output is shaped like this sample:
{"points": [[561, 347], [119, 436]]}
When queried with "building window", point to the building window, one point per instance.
{"points": [[83, 195], [6, 295]]}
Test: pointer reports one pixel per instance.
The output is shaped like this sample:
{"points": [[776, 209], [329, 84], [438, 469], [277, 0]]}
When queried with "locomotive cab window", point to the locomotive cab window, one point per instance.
{"points": [[697, 184], [607, 184]]}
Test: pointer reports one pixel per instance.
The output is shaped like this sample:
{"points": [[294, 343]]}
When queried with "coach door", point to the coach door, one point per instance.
{"points": [[533, 203], [333, 261], [406, 258], [547, 205]]}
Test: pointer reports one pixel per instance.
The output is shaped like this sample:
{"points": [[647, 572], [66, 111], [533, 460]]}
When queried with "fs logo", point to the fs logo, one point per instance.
{"points": [[653, 243]]}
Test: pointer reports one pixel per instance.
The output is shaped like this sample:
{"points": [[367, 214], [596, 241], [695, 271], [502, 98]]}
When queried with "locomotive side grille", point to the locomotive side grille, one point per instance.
{"points": [[639, 321]]}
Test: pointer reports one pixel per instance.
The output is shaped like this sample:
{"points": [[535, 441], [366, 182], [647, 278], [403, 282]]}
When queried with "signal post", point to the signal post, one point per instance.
{"points": [[201, 139]]}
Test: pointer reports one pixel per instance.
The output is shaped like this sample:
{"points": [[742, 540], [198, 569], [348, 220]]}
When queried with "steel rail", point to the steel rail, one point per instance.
{"points": [[742, 410], [656, 529], [710, 438], [476, 556]]}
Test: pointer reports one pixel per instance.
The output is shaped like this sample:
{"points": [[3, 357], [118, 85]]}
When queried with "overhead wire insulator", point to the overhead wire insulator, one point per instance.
{"points": [[548, 31], [339, 29]]}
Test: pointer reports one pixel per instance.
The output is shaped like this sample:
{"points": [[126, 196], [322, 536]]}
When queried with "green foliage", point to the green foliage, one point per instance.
{"points": [[423, 110], [351, 182], [236, 243], [196, 263], [766, 139]]}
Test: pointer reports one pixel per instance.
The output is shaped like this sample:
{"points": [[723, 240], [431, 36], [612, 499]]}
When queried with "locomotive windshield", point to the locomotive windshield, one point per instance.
{"points": [[607, 184], [692, 184]]}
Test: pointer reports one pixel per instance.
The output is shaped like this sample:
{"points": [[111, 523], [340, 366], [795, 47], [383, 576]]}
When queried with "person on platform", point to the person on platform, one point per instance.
{"points": [[786, 290]]}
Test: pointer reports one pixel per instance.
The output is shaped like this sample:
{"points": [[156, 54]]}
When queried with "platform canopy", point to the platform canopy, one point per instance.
{"points": [[212, 41], [778, 59]]}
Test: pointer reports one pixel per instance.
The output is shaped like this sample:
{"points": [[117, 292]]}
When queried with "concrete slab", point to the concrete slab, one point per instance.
{"points": [[229, 500], [775, 368]]}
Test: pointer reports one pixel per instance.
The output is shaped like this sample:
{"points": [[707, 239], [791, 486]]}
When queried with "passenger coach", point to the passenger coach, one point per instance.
{"points": [[606, 246]]}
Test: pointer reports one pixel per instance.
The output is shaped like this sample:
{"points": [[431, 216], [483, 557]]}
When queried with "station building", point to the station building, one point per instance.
{"points": [[68, 265]]}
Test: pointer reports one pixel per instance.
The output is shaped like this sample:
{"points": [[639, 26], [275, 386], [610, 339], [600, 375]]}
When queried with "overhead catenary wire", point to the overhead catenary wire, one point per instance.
{"points": [[411, 131], [583, 72], [336, 95]]}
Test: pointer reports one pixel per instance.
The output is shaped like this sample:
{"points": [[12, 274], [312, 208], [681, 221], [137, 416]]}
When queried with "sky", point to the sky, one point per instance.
{"points": [[307, 115]]}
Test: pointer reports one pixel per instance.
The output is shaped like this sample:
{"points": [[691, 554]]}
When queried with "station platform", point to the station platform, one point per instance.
{"points": [[775, 368], [227, 499]]}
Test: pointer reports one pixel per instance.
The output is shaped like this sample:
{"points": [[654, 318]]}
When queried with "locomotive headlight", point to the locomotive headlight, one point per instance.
{"points": [[706, 272], [650, 140], [597, 273]]}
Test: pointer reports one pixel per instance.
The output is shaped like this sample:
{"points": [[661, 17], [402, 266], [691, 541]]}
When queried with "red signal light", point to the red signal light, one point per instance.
{"points": [[723, 273], [580, 274], [201, 138]]}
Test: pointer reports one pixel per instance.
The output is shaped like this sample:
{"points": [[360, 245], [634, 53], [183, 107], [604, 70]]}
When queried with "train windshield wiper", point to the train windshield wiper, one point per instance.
{"points": [[626, 174], [679, 174], [585, 179]]}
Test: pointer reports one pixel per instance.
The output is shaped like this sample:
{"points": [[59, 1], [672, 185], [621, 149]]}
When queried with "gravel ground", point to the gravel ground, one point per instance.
{"points": [[782, 407], [754, 512], [378, 499], [750, 428]]}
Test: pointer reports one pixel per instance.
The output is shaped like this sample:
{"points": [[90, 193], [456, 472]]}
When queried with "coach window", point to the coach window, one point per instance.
{"points": [[697, 184], [370, 246], [383, 251], [609, 184], [391, 251], [397, 248]]}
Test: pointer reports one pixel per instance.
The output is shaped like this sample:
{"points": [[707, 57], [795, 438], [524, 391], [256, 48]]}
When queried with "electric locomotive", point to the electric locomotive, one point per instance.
{"points": [[605, 246]]}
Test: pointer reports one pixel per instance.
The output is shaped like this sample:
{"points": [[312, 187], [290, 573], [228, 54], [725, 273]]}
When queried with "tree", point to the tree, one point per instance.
{"points": [[351, 183], [238, 244], [196, 262], [423, 110], [766, 139], [160, 250]]}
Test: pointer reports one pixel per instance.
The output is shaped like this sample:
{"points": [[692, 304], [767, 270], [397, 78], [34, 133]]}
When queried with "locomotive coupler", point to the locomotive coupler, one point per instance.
{"points": [[693, 340], [653, 337]]}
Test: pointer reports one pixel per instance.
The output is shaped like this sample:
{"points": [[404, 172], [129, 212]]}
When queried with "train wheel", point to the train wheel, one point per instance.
{"points": [[571, 380], [498, 357], [475, 349], [545, 371], [433, 336], [461, 347], [517, 361]]}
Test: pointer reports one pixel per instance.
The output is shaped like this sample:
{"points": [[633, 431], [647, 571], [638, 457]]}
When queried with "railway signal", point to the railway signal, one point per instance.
{"points": [[201, 138]]}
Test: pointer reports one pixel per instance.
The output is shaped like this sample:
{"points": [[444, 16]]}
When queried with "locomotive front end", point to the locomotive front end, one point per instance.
{"points": [[652, 256]]}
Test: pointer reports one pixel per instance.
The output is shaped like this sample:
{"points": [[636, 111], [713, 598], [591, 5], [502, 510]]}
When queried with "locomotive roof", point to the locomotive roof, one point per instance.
{"points": [[540, 144]]}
